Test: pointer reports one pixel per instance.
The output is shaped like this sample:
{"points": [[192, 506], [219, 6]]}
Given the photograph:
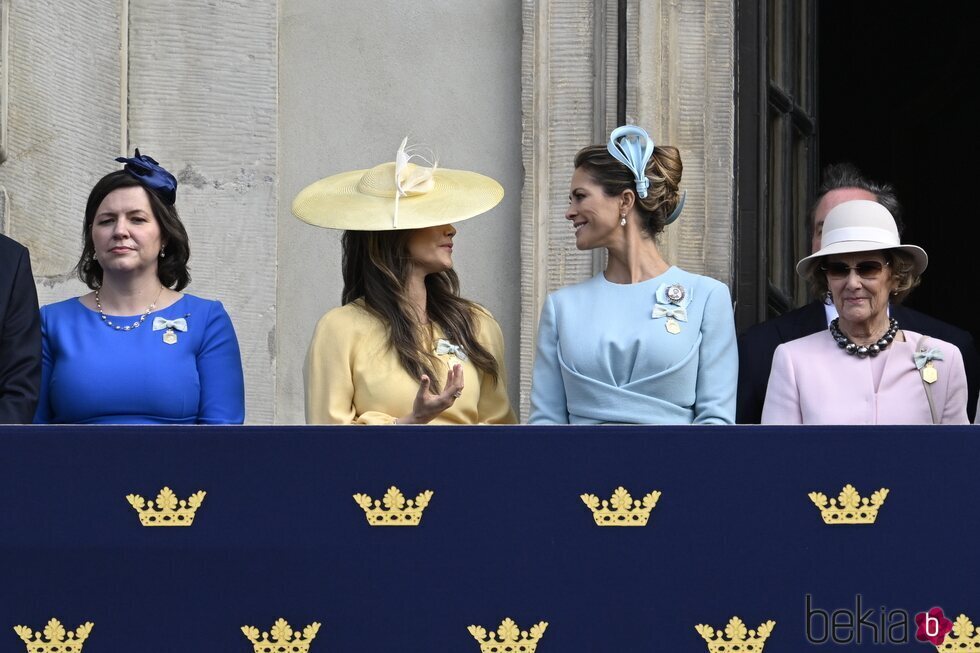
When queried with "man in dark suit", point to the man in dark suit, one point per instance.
{"points": [[20, 335], [841, 183]]}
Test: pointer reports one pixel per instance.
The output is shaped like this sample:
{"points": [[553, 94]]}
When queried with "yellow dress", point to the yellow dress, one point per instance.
{"points": [[354, 377]]}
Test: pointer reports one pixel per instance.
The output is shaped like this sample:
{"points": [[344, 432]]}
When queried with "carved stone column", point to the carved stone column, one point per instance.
{"points": [[685, 81], [680, 85]]}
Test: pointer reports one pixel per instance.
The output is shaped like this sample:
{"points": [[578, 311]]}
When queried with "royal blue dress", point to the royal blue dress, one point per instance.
{"points": [[93, 374]]}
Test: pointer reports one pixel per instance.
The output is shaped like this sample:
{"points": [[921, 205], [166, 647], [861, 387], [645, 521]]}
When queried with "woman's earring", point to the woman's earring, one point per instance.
{"points": [[622, 221], [163, 252], [828, 298]]}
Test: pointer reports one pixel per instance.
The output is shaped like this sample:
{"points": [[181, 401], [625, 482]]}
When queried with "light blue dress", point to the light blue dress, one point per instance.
{"points": [[93, 374], [605, 355]]}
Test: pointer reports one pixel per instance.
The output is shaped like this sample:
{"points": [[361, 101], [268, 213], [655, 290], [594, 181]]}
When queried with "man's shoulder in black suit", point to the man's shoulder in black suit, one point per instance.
{"points": [[756, 347]]}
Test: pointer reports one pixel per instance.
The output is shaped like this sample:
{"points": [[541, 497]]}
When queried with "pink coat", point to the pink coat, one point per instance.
{"points": [[813, 381]]}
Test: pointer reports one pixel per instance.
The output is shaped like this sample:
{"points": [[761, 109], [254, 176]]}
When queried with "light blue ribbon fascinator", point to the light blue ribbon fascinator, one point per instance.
{"points": [[633, 147], [677, 209]]}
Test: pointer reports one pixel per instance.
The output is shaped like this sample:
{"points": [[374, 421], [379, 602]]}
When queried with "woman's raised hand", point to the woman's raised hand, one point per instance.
{"points": [[429, 405]]}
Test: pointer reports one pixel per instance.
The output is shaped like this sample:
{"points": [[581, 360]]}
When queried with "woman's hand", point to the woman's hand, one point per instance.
{"points": [[429, 405]]}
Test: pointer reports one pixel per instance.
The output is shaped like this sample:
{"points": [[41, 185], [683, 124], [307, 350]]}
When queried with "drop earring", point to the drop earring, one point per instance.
{"points": [[622, 221], [163, 252]]}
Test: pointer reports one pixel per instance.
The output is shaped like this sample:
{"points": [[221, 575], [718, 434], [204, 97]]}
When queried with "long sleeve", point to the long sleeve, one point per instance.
{"points": [[954, 409], [354, 376], [494, 405], [718, 361], [20, 345], [971, 365], [332, 370], [219, 366], [548, 402], [43, 414], [782, 395], [329, 377]]}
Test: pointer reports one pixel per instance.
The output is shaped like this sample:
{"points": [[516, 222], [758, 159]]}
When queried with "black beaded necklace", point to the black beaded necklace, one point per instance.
{"points": [[863, 351]]}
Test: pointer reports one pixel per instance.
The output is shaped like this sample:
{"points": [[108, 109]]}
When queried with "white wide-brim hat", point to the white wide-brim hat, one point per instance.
{"points": [[381, 199], [860, 226]]}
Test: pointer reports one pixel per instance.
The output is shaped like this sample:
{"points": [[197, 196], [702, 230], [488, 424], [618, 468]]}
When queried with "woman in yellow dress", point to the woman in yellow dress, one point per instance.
{"points": [[404, 347]]}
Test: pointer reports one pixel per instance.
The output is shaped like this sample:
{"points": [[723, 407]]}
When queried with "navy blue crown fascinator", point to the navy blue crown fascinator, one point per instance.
{"points": [[152, 175]]}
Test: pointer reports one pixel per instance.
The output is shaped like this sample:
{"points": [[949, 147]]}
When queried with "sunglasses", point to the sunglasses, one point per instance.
{"points": [[865, 269]]}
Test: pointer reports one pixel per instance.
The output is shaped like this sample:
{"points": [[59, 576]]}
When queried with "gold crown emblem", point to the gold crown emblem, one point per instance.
{"points": [[621, 509], [736, 637], [56, 640], [281, 638], [963, 639], [849, 507], [397, 511], [168, 510], [509, 638]]}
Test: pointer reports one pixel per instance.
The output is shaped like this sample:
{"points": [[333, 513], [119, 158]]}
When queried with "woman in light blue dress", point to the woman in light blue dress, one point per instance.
{"points": [[642, 342], [136, 350]]}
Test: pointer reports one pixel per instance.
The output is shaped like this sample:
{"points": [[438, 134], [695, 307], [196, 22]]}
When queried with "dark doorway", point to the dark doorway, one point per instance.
{"points": [[894, 79]]}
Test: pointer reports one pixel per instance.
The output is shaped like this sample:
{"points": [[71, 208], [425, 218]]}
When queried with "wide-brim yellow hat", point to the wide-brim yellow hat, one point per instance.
{"points": [[372, 200]]}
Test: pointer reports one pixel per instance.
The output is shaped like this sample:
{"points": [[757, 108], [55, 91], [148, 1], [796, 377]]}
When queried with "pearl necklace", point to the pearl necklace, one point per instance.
{"points": [[863, 351], [134, 325]]}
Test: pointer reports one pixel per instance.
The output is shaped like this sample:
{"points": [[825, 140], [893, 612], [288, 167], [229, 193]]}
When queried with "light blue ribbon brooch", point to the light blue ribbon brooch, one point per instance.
{"points": [[923, 362], [171, 326], [446, 347], [672, 302]]}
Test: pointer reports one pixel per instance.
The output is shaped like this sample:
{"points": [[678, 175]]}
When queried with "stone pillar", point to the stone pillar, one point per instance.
{"points": [[685, 81], [192, 84], [680, 85], [356, 78]]}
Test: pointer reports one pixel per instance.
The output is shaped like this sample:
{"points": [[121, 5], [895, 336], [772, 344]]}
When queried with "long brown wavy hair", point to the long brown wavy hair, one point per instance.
{"points": [[376, 265]]}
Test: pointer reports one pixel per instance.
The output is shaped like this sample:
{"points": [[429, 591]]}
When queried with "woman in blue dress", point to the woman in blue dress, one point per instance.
{"points": [[136, 350], [642, 342]]}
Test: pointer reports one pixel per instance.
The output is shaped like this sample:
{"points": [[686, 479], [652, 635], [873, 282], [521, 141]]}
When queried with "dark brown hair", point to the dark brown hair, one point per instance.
{"points": [[375, 266], [663, 170], [901, 264], [846, 175], [171, 270]]}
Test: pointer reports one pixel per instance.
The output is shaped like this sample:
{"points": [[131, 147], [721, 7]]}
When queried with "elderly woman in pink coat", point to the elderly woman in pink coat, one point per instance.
{"points": [[866, 369]]}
